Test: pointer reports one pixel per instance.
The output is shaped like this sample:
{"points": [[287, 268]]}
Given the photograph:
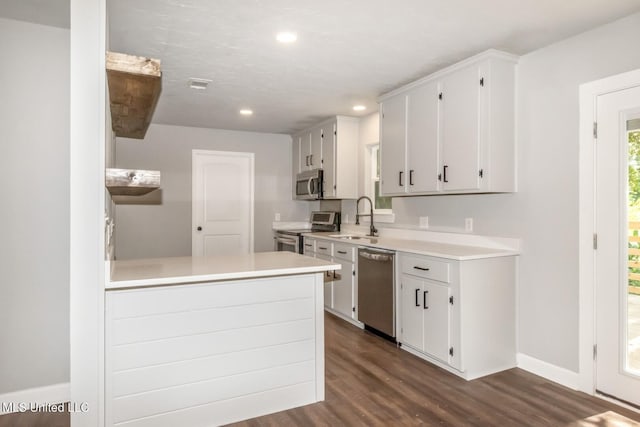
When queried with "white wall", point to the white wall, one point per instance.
{"points": [[34, 194], [164, 229], [544, 213]]}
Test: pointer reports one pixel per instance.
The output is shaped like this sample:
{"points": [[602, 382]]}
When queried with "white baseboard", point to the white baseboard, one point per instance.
{"points": [[55, 393], [546, 370]]}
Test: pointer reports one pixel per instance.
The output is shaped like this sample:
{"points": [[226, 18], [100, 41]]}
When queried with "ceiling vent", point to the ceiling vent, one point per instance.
{"points": [[199, 84]]}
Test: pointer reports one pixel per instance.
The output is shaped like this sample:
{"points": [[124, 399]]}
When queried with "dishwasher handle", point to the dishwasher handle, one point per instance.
{"points": [[376, 256]]}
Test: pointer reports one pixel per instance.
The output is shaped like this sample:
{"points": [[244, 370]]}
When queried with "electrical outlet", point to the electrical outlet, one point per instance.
{"points": [[277, 216], [424, 222], [468, 224]]}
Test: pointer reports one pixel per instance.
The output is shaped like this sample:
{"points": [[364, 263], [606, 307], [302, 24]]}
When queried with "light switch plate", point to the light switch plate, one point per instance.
{"points": [[424, 222], [277, 216]]}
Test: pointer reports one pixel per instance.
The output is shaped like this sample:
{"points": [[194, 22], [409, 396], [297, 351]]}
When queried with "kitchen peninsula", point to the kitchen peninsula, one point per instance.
{"points": [[212, 340]]}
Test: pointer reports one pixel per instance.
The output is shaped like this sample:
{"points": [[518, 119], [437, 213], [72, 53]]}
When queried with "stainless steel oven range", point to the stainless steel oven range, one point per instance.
{"points": [[293, 240]]}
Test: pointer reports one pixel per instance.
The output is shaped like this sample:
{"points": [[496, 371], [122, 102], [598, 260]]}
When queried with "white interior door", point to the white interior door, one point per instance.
{"points": [[618, 252], [222, 205]]}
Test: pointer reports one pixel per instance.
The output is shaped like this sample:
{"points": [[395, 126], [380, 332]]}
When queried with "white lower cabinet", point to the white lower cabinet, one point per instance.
{"points": [[343, 289], [425, 317], [340, 286], [459, 315]]}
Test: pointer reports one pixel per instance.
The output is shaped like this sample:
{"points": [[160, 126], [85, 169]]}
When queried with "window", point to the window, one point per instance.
{"points": [[382, 205]]}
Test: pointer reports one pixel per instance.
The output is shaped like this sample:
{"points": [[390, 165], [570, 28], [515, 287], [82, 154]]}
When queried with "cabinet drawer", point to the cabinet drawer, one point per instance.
{"points": [[324, 247], [344, 251], [428, 268], [309, 245]]}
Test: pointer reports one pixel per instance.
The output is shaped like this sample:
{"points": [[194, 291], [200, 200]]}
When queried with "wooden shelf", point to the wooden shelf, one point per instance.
{"points": [[134, 88], [130, 182]]}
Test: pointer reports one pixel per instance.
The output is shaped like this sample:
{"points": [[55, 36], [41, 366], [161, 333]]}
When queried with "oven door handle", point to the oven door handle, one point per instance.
{"points": [[286, 241]]}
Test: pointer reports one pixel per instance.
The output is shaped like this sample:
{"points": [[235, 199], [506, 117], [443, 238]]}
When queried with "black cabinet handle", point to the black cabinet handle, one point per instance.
{"points": [[444, 173], [420, 268], [424, 298], [199, 228], [342, 252], [417, 303], [411, 177], [400, 178], [311, 160]]}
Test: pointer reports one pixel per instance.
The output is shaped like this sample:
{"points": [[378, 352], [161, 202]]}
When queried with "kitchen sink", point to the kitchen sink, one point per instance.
{"points": [[353, 237]]}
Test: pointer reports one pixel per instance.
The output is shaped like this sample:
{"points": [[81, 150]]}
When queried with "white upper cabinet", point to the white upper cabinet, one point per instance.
{"points": [[460, 136], [422, 139], [453, 131], [315, 155], [332, 146], [393, 131], [310, 149]]}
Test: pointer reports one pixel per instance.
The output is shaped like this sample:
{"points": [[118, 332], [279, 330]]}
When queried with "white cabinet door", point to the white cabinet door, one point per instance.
{"points": [[305, 151], [343, 288], [329, 159], [393, 116], [422, 139], [460, 133], [328, 283], [315, 155], [295, 155], [412, 313], [435, 303]]}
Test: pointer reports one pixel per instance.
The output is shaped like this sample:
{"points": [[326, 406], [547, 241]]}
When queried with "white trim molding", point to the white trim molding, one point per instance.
{"points": [[589, 93], [56, 393], [546, 370]]}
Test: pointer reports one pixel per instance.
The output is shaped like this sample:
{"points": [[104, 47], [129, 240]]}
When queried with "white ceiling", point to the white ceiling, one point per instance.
{"points": [[348, 51]]}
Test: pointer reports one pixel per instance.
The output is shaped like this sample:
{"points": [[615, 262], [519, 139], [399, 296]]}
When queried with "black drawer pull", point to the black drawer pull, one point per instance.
{"points": [[342, 252], [424, 298], [417, 303], [320, 247], [420, 268], [308, 245]]}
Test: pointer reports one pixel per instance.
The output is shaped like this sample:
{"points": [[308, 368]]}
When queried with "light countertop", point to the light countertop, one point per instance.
{"points": [[176, 270], [421, 247]]}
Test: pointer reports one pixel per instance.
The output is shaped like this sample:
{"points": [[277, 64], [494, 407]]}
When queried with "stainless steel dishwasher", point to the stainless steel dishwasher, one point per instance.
{"points": [[376, 295]]}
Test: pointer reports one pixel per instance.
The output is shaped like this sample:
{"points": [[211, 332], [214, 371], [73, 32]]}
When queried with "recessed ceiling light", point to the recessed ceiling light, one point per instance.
{"points": [[359, 108], [246, 112], [286, 37], [198, 84]]}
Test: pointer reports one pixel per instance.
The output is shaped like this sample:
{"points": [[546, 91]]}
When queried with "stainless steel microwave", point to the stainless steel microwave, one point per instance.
{"points": [[309, 185]]}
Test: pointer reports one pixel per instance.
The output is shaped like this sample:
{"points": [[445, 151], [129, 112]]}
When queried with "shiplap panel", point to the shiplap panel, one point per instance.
{"points": [[203, 392], [162, 326], [226, 411], [188, 371], [212, 353], [145, 302], [182, 348]]}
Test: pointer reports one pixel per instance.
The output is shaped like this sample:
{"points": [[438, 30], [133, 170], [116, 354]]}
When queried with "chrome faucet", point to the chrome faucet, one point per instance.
{"points": [[372, 229]]}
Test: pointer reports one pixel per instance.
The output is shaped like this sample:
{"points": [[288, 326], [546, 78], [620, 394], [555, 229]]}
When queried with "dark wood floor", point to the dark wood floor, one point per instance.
{"points": [[370, 382]]}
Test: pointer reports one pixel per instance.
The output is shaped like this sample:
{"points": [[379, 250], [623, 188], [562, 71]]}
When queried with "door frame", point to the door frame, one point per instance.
{"points": [[251, 157], [589, 93]]}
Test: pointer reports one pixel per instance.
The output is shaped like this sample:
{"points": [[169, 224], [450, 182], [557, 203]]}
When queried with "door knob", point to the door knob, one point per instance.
{"points": [[199, 228]]}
